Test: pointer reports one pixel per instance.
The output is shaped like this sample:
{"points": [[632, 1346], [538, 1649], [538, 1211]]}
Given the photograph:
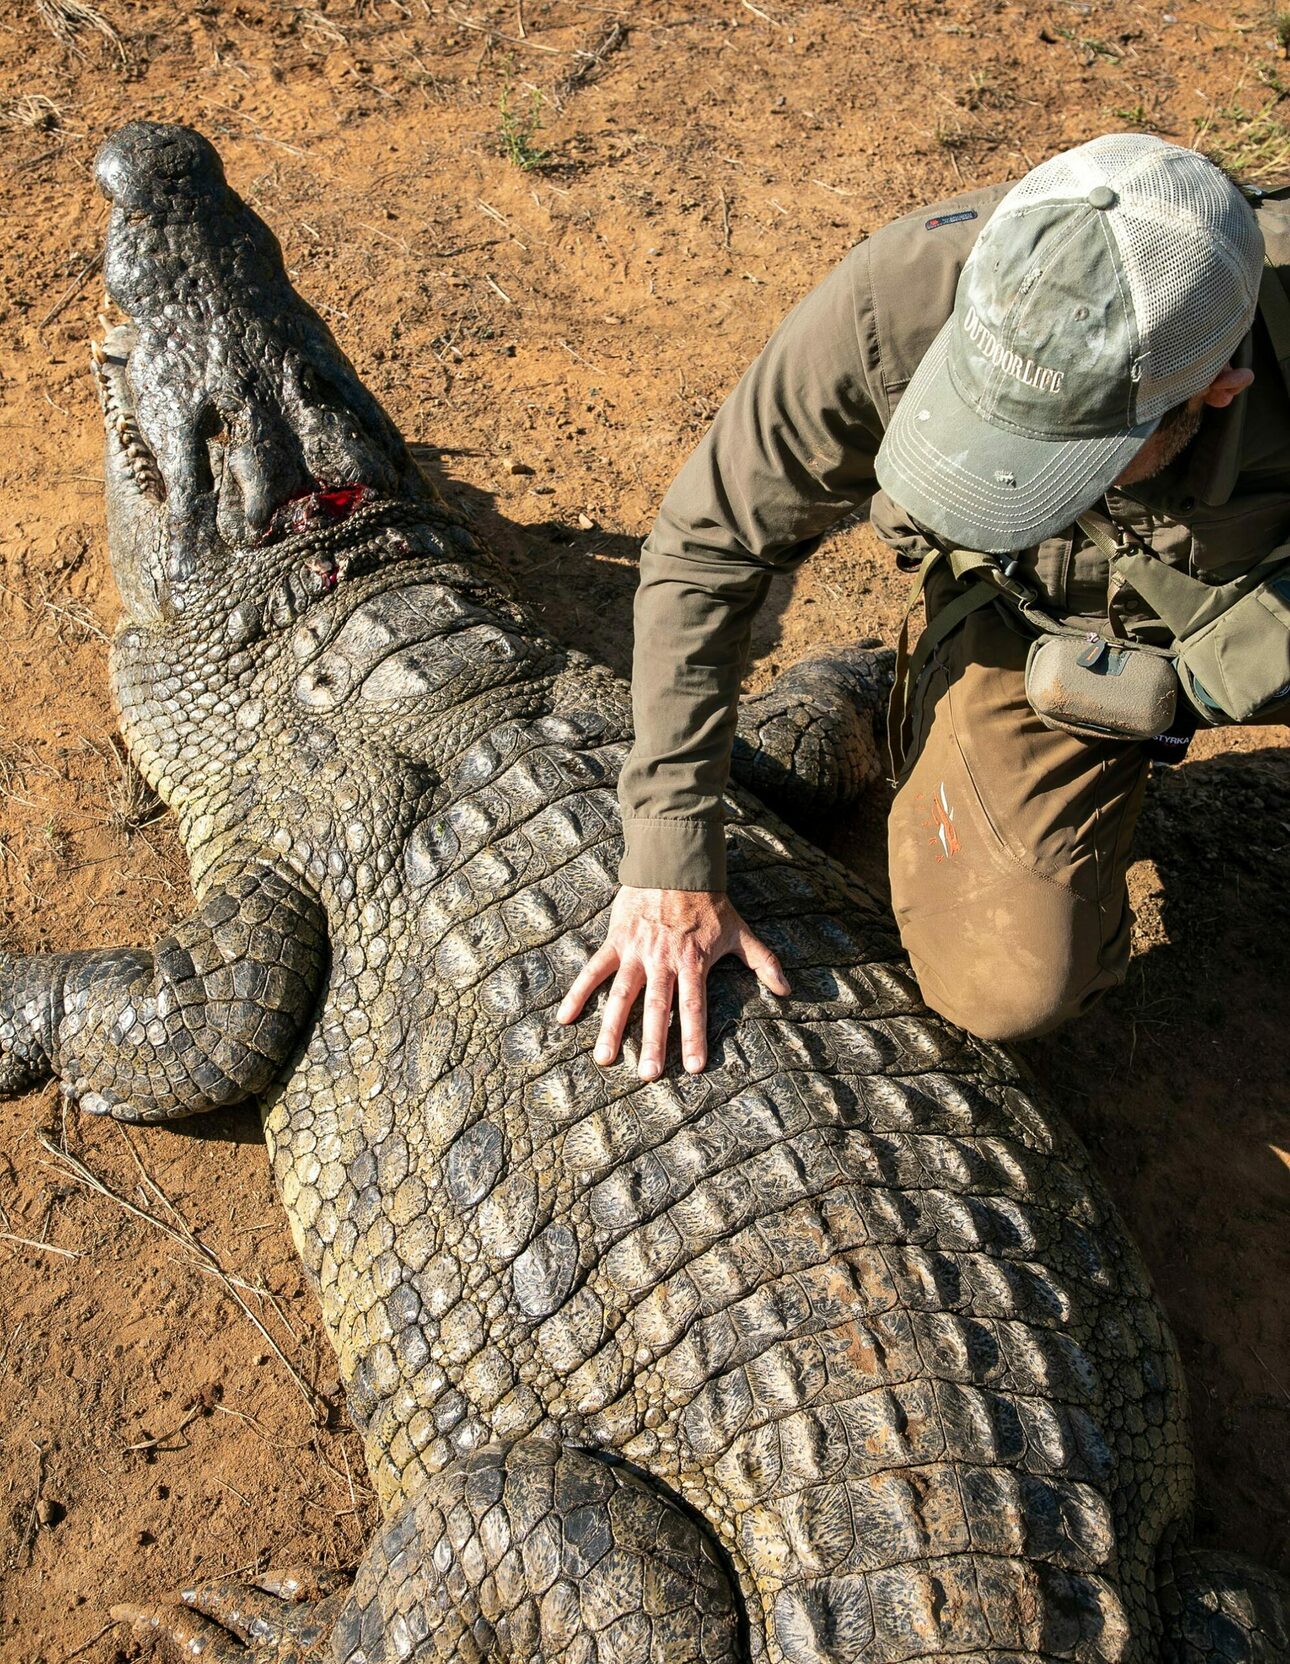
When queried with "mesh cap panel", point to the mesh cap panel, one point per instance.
{"points": [[1188, 337]]}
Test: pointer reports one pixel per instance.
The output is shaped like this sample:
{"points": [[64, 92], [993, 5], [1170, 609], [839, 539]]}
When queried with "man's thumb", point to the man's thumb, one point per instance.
{"points": [[762, 963]]}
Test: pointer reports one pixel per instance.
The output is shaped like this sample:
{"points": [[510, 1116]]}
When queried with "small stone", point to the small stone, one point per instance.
{"points": [[513, 466], [49, 1512], [260, 1359], [586, 522]]}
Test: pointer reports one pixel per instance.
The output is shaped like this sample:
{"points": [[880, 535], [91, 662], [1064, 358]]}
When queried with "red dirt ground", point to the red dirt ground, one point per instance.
{"points": [[705, 164]]}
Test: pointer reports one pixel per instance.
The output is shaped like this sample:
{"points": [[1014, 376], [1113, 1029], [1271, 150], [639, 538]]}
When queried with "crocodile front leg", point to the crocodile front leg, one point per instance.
{"points": [[207, 1019]]}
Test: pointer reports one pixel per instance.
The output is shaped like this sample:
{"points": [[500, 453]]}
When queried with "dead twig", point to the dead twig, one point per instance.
{"points": [[578, 358], [86, 1645], [592, 61], [182, 1233], [1276, 1383], [90, 265], [9, 1343], [487, 208], [725, 219], [261, 1429], [462, 248], [511, 40], [33, 1519], [195, 1414], [44, 1247]]}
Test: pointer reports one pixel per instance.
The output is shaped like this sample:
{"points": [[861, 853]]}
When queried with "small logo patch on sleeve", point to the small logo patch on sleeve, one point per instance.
{"points": [[951, 219]]}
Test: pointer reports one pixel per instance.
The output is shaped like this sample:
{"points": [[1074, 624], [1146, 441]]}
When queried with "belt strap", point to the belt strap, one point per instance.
{"points": [[988, 583], [1183, 604]]}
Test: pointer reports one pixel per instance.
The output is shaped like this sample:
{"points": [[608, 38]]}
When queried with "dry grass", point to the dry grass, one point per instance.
{"points": [[314, 22], [1251, 145], [35, 111], [172, 1224], [132, 803], [75, 615], [68, 20]]}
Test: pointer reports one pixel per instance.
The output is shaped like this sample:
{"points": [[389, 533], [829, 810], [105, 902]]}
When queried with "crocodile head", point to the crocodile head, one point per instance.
{"points": [[234, 422]]}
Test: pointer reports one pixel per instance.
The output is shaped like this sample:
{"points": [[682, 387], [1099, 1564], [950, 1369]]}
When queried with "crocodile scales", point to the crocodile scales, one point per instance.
{"points": [[837, 1352]]}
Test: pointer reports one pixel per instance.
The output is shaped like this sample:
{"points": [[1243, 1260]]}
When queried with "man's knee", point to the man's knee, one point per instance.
{"points": [[994, 1002], [1017, 961]]}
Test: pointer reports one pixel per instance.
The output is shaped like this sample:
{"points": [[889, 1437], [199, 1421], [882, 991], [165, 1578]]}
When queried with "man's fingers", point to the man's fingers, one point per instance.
{"points": [[654, 1024], [762, 962], [618, 1007], [603, 963], [692, 997]]}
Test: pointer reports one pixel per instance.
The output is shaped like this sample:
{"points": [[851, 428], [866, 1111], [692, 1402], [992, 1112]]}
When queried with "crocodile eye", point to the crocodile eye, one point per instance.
{"points": [[211, 439]]}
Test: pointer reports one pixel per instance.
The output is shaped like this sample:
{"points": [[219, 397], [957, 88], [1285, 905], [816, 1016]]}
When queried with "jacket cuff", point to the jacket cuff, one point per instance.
{"points": [[674, 854]]}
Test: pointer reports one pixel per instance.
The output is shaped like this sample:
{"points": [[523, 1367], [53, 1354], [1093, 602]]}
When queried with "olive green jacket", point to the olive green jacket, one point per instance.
{"points": [[791, 453]]}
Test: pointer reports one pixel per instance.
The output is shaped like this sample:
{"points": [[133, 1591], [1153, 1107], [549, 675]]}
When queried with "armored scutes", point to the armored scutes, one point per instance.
{"points": [[835, 1353]]}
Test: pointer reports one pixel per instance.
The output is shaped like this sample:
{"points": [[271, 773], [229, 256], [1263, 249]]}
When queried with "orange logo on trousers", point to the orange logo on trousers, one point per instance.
{"points": [[943, 821]]}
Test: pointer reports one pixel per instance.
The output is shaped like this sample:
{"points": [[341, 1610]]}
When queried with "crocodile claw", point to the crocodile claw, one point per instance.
{"points": [[286, 1617], [177, 1632]]}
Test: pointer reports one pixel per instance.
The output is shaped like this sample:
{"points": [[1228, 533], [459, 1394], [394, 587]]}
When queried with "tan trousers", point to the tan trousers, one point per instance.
{"points": [[1009, 846]]}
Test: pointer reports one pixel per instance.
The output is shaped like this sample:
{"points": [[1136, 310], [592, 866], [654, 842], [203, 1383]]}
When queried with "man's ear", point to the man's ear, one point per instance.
{"points": [[1225, 386]]}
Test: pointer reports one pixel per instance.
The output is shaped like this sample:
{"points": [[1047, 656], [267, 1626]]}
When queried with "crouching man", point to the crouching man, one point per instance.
{"points": [[1064, 404]]}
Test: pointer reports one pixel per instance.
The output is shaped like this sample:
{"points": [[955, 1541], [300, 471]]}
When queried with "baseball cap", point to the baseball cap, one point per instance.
{"points": [[1111, 283]]}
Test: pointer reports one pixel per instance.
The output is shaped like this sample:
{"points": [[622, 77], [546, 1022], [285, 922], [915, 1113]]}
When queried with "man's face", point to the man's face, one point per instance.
{"points": [[1179, 426]]}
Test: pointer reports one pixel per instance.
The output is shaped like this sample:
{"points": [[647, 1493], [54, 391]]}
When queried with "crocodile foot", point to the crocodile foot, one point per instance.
{"points": [[1220, 1607], [285, 1617], [808, 744]]}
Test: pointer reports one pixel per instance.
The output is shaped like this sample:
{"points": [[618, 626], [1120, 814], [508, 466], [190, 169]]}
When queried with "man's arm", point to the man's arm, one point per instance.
{"points": [[790, 453]]}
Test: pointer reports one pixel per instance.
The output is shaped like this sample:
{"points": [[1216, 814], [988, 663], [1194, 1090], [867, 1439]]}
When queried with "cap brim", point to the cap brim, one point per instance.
{"points": [[983, 487]]}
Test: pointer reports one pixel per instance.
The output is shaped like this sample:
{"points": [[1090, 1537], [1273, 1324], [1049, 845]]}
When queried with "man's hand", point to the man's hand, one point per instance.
{"points": [[664, 943]]}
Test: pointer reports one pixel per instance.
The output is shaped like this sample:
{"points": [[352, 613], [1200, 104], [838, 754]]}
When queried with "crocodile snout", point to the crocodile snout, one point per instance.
{"points": [[234, 400]]}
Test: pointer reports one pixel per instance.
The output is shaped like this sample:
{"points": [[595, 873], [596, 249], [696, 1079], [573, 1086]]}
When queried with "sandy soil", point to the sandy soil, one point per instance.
{"points": [[704, 164]]}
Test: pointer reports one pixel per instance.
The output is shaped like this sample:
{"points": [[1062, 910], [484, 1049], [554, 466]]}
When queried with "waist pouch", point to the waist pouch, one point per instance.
{"points": [[1239, 663], [1101, 689]]}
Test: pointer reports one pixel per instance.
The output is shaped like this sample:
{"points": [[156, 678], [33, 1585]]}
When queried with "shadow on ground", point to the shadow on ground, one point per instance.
{"points": [[1196, 1040], [581, 580]]}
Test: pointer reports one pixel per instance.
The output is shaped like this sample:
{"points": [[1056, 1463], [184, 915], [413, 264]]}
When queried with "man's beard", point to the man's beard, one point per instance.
{"points": [[1178, 427]]}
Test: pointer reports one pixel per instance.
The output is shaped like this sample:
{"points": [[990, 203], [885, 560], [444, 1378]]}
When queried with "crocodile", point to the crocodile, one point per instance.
{"points": [[835, 1352]]}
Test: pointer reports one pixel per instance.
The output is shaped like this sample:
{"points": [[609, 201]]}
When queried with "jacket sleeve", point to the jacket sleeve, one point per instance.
{"points": [[790, 453]]}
